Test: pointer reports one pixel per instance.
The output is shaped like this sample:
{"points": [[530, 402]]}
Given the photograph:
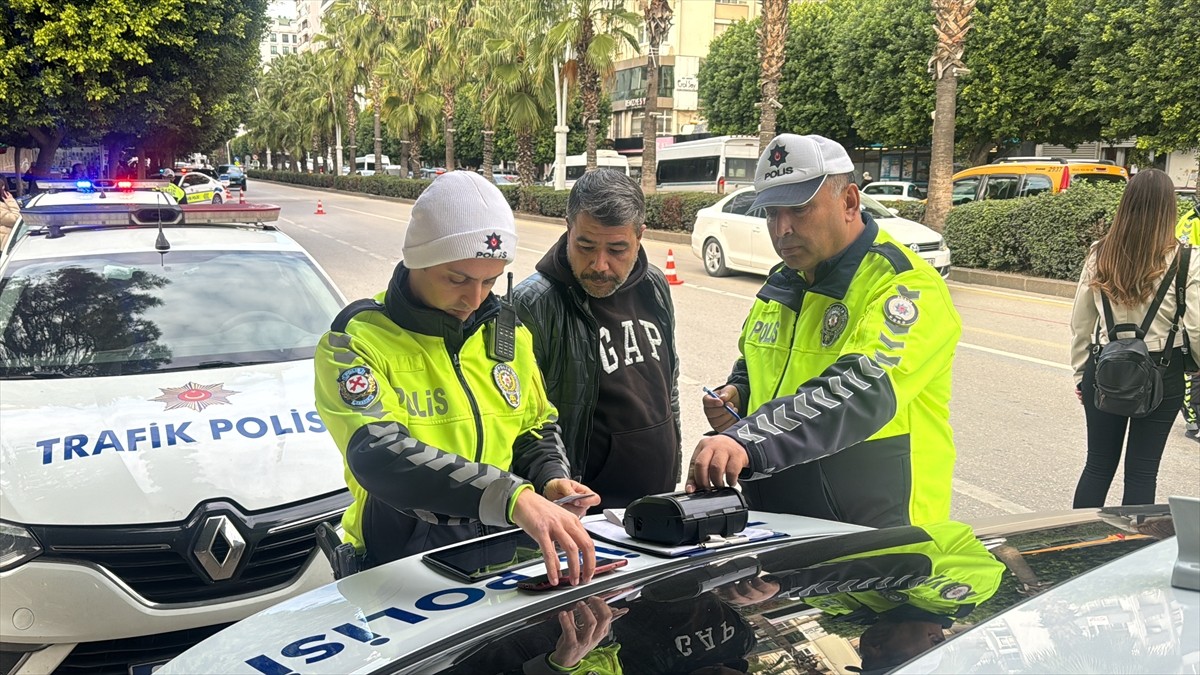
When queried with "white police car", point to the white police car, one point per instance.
{"points": [[162, 467], [200, 188], [96, 192], [829, 598]]}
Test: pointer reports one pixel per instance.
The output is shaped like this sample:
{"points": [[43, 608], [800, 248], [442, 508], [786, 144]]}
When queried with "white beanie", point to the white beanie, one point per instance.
{"points": [[460, 216]]}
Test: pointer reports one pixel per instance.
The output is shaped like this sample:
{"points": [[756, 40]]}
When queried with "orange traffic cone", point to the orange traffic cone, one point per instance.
{"points": [[671, 278], [320, 209], [241, 196], [228, 196]]}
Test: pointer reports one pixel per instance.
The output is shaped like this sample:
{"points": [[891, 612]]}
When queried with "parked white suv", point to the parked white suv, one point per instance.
{"points": [[162, 466]]}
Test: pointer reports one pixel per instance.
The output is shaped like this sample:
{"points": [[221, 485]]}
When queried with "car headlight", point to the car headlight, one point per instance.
{"points": [[17, 545], [942, 245]]}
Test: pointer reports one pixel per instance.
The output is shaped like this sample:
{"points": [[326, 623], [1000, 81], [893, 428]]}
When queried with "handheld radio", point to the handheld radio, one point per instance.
{"points": [[502, 333]]}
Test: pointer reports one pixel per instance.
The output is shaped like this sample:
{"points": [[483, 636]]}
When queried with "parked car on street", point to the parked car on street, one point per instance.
{"points": [[162, 465], [1076, 591], [727, 236], [1013, 177], [894, 189]]}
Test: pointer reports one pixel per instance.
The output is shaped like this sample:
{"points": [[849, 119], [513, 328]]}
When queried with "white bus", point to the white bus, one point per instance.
{"points": [[720, 164], [365, 165], [577, 164]]}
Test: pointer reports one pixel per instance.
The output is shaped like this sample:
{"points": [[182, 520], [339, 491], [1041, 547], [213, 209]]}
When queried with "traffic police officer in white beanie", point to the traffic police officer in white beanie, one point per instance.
{"points": [[432, 393]]}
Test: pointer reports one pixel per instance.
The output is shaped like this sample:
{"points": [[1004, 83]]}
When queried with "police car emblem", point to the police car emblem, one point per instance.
{"points": [[834, 323], [357, 386], [956, 592], [194, 396], [508, 384], [900, 311]]}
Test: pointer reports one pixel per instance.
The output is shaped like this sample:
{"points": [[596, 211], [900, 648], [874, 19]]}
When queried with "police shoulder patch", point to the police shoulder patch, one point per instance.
{"points": [[834, 323], [357, 386], [956, 592], [508, 384], [900, 310]]}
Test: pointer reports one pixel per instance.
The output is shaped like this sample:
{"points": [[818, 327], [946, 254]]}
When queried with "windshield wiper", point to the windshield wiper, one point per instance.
{"points": [[35, 375], [226, 364]]}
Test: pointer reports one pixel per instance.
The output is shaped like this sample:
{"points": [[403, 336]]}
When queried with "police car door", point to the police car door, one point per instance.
{"points": [[197, 188]]}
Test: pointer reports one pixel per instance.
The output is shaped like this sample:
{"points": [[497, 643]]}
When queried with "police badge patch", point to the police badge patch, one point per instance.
{"points": [[508, 384], [900, 311], [834, 323], [358, 387], [956, 592]]}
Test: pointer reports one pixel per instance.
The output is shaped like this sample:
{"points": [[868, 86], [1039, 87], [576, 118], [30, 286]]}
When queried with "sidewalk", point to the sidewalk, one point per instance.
{"points": [[966, 275]]}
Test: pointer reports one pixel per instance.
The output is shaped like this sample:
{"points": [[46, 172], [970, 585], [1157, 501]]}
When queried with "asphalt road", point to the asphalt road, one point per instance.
{"points": [[1018, 427]]}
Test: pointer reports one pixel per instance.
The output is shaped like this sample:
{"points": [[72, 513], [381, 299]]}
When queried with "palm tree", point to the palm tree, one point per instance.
{"points": [[409, 106], [772, 39], [524, 84], [488, 26], [593, 29], [953, 21], [359, 29], [437, 32], [657, 15]]}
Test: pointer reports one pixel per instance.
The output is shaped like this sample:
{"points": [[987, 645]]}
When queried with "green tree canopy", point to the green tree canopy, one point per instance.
{"points": [[1136, 72], [149, 70]]}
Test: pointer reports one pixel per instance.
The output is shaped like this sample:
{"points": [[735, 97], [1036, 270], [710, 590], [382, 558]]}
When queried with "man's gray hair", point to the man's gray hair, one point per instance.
{"points": [[838, 182], [608, 196]]}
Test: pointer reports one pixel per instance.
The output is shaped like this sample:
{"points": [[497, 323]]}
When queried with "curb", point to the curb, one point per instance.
{"points": [[1016, 282], [966, 275]]}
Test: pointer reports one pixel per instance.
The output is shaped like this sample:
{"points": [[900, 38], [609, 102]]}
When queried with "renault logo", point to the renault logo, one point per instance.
{"points": [[219, 548]]}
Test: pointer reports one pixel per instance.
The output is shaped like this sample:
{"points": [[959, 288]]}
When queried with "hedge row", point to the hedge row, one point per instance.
{"points": [[670, 211], [1046, 236], [913, 210]]}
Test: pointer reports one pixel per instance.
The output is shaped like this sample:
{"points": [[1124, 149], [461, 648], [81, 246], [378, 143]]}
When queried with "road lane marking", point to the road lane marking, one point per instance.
{"points": [[1019, 357], [988, 497], [1010, 336], [366, 213]]}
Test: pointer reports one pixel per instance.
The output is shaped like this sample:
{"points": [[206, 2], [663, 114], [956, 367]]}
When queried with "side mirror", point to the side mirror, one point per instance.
{"points": [[1185, 512], [894, 211]]}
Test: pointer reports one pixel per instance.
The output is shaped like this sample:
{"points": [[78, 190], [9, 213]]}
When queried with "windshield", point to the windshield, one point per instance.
{"points": [[869, 205], [119, 314]]}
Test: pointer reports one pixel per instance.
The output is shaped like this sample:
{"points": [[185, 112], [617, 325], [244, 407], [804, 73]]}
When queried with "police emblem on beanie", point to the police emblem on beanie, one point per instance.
{"points": [[460, 216], [793, 168]]}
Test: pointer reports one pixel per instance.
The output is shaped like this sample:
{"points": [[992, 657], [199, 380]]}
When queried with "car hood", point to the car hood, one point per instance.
{"points": [[908, 231], [149, 448]]}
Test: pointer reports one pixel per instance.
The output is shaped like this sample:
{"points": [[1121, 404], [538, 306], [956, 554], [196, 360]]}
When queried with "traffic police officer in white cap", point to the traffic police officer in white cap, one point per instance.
{"points": [[843, 385]]}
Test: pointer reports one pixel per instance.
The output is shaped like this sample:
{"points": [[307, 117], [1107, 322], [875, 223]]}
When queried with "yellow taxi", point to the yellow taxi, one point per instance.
{"points": [[1027, 176]]}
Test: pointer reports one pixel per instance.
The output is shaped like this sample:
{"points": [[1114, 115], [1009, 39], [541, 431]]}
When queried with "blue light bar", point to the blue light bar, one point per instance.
{"points": [[83, 184]]}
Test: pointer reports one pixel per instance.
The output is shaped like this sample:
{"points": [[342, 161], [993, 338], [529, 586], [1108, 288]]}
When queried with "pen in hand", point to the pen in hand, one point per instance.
{"points": [[728, 408]]}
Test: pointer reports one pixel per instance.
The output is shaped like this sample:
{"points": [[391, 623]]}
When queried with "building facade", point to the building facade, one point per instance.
{"points": [[694, 25], [309, 15], [282, 37]]}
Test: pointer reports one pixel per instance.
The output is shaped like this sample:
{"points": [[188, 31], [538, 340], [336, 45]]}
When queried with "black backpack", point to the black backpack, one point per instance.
{"points": [[1128, 380]]}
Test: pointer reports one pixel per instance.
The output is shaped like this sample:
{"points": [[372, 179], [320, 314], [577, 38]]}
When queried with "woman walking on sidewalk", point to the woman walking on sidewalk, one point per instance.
{"points": [[1126, 269]]}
